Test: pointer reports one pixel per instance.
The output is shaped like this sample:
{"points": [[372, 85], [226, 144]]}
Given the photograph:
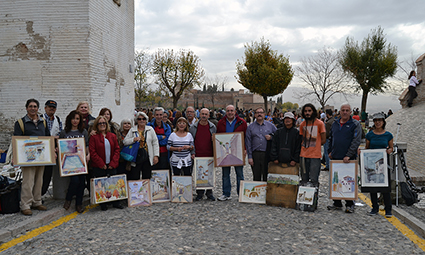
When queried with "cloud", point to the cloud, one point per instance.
{"points": [[217, 30]]}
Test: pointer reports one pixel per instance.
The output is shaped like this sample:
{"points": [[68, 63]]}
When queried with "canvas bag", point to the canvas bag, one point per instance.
{"points": [[129, 152]]}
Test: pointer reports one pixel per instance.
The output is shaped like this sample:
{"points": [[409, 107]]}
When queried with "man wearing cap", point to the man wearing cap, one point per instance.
{"points": [[257, 136], [54, 124], [286, 143], [344, 140]]}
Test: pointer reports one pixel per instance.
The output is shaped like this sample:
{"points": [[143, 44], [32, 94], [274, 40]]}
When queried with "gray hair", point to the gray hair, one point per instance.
{"points": [[159, 109], [344, 104], [138, 115], [123, 122]]}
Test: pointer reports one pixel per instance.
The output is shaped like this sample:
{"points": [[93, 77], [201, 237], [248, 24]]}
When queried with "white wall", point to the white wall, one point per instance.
{"points": [[68, 51]]}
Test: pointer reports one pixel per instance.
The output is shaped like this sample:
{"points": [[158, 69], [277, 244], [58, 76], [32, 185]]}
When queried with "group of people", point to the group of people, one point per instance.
{"points": [[174, 146]]}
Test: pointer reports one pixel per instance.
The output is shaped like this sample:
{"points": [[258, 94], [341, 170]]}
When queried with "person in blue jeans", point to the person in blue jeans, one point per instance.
{"points": [[344, 140], [228, 124], [378, 138]]}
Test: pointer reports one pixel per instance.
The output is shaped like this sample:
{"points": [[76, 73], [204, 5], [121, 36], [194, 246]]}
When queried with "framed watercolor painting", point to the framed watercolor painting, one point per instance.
{"points": [[305, 195], [182, 189], [72, 156], [253, 192], [107, 189], [229, 149], [343, 180], [204, 171], [374, 168], [283, 179], [160, 186], [33, 150], [374, 172], [139, 193]]}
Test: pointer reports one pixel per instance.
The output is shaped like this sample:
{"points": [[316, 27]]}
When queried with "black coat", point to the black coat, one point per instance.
{"points": [[286, 145]]}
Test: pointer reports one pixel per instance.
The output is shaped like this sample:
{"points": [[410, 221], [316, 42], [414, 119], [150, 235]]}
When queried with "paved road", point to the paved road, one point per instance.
{"points": [[218, 227]]}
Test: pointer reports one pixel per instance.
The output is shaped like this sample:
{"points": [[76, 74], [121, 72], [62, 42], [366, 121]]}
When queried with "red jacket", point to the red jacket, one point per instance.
{"points": [[240, 125], [97, 150]]}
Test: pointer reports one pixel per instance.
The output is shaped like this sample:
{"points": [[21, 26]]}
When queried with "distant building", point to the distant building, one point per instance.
{"points": [[221, 99]]}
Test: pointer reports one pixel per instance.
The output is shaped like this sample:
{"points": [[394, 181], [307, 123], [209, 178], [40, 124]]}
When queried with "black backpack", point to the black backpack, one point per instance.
{"points": [[408, 195]]}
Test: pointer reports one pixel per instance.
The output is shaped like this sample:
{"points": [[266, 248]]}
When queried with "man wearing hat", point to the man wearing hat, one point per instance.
{"points": [[257, 135], [54, 124], [286, 143]]}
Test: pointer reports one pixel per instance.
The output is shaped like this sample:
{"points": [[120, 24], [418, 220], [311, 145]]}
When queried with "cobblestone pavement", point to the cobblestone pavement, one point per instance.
{"points": [[228, 227]]}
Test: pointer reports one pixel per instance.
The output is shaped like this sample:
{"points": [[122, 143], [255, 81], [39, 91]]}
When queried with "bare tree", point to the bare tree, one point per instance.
{"points": [[142, 69], [213, 85], [324, 76], [400, 81]]}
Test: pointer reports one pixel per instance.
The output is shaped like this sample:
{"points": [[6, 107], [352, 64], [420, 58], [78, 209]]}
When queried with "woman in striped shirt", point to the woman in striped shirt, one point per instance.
{"points": [[180, 143]]}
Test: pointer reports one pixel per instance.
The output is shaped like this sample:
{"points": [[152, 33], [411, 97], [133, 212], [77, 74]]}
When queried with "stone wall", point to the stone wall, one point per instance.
{"points": [[68, 51]]}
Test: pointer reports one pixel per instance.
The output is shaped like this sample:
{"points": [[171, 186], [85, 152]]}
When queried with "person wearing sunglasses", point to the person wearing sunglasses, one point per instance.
{"points": [[148, 154], [104, 153]]}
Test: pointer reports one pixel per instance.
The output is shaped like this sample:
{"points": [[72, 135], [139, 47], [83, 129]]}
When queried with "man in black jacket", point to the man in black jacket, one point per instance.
{"points": [[286, 143]]}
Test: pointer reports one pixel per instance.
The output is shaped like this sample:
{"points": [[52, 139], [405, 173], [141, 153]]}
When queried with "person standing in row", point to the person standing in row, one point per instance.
{"points": [[148, 154], [286, 143], [344, 140], [104, 153], [202, 132], [190, 115], [313, 137], [74, 128], [258, 134], [180, 143], [228, 124], [163, 132], [54, 124], [378, 138], [31, 125], [84, 109]]}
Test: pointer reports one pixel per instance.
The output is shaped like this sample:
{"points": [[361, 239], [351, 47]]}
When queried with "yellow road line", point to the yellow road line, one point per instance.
{"points": [[400, 226], [41, 230]]}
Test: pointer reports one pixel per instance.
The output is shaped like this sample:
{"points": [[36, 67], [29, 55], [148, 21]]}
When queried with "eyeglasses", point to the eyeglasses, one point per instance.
{"points": [[141, 118], [101, 123]]}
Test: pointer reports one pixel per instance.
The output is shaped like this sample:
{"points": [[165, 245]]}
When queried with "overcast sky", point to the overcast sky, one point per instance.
{"points": [[216, 30]]}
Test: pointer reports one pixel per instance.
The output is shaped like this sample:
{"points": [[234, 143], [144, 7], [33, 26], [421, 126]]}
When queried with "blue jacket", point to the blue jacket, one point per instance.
{"points": [[167, 130], [344, 141]]}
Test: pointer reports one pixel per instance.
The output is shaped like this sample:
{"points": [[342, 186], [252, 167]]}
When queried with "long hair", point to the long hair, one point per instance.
{"points": [[314, 115], [96, 121], [411, 74], [103, 110], [68, 121]]}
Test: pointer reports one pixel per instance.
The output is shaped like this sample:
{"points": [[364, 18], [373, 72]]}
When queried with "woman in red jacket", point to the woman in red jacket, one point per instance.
{"points": [[104, 153]]}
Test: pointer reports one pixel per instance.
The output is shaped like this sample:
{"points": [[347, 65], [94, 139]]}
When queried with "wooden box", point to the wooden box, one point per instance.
{"points": [[283, 195]]}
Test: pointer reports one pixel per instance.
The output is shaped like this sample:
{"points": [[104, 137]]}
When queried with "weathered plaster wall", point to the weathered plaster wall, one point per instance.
{"points": [[68, 51]]}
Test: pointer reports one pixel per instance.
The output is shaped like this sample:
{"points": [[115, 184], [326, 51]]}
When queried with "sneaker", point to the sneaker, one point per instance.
{"points": [[335, 208], [224, 198], [388, 215], [212, 198], [373, 212], [349, 209]]}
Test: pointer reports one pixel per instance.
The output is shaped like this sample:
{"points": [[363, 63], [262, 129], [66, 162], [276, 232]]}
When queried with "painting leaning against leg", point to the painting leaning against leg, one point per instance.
{"points": [[204, 171], [182, 189], [160, 186], [343, 180], [253, 192], [139, 193]]}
